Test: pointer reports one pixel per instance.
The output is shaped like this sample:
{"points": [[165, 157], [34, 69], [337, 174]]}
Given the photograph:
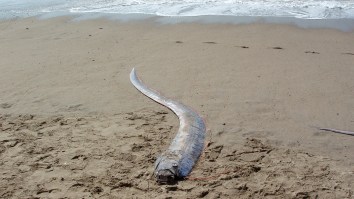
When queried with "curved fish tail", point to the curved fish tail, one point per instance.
{"points": [[154, 95]]}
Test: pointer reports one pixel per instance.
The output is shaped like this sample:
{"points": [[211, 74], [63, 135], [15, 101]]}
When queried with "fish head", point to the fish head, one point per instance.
{"points": [[166, 171]]}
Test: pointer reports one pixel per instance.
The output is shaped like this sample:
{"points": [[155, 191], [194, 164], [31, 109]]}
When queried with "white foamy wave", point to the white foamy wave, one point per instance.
{"points": [[308, 9]]}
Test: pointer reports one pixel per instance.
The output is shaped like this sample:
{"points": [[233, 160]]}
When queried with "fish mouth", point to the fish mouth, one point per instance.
{"points": [[165, 176]]}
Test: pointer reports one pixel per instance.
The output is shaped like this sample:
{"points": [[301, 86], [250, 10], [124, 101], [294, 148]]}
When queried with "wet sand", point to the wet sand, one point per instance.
{"points": [[72, 125]]}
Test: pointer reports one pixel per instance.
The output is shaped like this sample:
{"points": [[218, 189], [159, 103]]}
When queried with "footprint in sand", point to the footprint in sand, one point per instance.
{"points": [[312, 52], [348, 53], [76, 107], [179, 42], [245, 47], [5, 105], [277, 48], [210, 42]]}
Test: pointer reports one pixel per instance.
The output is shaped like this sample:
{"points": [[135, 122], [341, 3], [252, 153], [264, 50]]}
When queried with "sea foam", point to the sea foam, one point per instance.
{"points": [[306, 9]]}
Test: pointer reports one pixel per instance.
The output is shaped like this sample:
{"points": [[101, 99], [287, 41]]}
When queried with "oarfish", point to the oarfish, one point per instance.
{"points": [[178, 160]]}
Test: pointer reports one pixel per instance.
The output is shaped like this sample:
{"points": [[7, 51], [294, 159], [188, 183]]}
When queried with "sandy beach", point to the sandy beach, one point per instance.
{"points": [[73, 126]]}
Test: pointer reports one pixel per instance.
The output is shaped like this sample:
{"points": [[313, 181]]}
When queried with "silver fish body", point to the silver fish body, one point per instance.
{"points": [[178, 160]]}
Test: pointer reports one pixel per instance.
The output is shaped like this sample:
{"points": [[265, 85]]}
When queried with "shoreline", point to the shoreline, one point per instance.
{"points": [[74, 126], [344, 24]]}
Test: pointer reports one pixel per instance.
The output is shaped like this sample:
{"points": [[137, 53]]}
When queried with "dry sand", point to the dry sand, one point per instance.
{"points": [[73, 126]]}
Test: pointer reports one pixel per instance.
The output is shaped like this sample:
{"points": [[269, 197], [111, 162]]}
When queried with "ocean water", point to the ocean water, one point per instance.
{"points": [[304, 9]]}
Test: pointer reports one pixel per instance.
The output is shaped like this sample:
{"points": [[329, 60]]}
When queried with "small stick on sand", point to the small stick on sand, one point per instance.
{"points": [[335, 131]]}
